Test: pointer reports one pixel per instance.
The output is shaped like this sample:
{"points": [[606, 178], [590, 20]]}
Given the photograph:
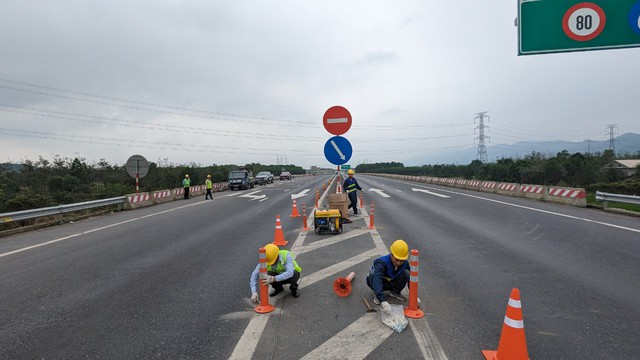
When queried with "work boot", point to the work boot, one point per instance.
{"points": [[397, 296], [295, 293], [276, 292]]}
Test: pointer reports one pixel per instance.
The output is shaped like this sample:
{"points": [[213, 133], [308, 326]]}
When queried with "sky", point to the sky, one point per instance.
{"points": [[238, 82]]}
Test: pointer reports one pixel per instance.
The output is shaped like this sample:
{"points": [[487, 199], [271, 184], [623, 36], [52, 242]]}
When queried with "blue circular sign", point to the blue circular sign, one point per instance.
{"points": [[634, 18], [338, 150]]}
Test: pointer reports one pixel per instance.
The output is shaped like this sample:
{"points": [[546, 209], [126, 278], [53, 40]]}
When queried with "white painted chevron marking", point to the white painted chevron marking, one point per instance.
{"points": [[430, 193]]}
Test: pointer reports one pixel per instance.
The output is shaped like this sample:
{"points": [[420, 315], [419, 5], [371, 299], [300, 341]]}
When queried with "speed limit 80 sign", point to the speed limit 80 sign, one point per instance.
{"points": [[551, 26], [584, 21]]}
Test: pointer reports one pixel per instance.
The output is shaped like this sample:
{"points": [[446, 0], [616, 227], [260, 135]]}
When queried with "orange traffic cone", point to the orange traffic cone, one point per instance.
{"points": [[278, 236], [513, 344], [294, 210]]}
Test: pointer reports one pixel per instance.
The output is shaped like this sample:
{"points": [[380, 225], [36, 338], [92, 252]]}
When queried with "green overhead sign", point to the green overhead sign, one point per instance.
{"points": [[345, 167], [551, 26]]}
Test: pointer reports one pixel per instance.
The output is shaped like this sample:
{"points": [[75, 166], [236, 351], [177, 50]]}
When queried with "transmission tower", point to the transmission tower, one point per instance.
{"points": [[612, 133], [482, 149]]}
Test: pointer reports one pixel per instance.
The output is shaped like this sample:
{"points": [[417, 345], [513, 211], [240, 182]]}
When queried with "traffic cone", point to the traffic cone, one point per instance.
{"points": [[278, 236], [294, 210], [513, 344], [342, 286]]}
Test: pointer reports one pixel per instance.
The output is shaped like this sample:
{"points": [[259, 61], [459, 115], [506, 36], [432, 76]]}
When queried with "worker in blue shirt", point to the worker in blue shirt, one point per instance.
{"points": [[390, 273], [350, 186]]}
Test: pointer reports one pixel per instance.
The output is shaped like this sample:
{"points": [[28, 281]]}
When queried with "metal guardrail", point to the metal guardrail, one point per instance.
{"points": [[628, 199], [58, 210]]}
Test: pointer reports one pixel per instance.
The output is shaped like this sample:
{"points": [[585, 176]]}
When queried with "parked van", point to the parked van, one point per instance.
{"points": [[240, 179]]}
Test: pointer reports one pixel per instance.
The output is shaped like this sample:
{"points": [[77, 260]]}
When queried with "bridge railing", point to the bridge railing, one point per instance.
{"points": [[627, 199], [59, 210]]}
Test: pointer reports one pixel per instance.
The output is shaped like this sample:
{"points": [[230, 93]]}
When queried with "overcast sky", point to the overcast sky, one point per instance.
{"points": [[235, 82]]}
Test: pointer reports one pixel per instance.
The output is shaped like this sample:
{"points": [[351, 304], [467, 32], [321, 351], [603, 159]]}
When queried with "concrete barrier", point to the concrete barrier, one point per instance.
{"points": [[567, 196], [451, 182], [162, 196], [461, 183], [135, 201], [510, 189], [488, 186], [473, 184], [197, 190], [536, 192]]}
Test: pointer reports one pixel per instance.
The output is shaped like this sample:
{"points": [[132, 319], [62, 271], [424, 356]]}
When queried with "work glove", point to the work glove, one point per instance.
{"points": [[254, 297], [268, 279], [385, 306]]}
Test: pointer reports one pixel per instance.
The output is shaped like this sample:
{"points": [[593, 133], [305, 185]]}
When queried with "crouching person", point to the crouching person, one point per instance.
{"points": [[390, 273], [282, 269]]}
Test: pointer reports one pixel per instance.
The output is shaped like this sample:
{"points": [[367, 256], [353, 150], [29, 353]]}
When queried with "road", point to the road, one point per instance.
{"points": [[171, 281]]}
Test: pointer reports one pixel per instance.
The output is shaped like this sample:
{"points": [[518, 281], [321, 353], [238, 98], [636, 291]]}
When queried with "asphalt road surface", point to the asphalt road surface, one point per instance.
{"points": [[172, 281]]}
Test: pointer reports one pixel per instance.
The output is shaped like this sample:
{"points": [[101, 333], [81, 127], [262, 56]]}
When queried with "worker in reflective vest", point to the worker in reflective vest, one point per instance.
{"points": [[186, 185], [209, 185], [282, 269], [350, 186]]}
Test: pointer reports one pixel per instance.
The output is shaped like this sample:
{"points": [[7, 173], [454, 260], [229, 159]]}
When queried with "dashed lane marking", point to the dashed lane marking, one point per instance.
{"points": [[355, 341]]}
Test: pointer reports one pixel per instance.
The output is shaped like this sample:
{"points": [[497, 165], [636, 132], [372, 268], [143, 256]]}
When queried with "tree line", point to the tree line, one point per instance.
{"points": [[563, 169], [42, 183]]}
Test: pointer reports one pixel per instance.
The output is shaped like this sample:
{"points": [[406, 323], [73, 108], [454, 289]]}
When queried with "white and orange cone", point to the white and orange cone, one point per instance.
{"points": [[278, 236], [513, 344], [294, 210]]}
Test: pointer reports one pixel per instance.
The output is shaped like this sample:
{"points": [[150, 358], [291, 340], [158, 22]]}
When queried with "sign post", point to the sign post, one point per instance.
{"points": [[553, 26], [137, 167]]}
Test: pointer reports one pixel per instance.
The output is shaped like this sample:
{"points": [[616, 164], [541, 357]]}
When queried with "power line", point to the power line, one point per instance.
{"points": [[612, 134]]}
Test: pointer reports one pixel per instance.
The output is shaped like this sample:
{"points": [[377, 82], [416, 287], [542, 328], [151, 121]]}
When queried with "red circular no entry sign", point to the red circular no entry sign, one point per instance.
{"points": [[337, 120]]}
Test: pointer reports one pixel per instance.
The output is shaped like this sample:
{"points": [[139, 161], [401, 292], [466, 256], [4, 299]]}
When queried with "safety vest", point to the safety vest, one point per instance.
{"points": [[390, 273], [208, 183], [282, 255], [351, 185], [186, 183]]}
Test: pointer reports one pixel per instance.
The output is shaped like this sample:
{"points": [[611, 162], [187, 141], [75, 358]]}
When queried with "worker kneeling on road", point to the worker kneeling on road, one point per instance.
{"points": [[282, 269], [390, 273]]}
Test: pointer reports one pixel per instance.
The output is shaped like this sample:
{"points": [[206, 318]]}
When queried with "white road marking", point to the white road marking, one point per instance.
{"points": [[355, 341], [430, 193], [336, 268], [380, 192], [249, 340], [98, 229], [300, 194], [427, 340], [254, 197], [544, 211], [331, 240]]}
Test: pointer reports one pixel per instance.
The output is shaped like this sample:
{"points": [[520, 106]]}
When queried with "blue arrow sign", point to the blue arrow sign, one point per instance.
{"points": [[338, 150]]}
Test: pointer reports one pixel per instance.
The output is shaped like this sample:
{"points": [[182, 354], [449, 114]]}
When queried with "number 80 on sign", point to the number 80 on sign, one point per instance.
{"points": [[584, 21]]}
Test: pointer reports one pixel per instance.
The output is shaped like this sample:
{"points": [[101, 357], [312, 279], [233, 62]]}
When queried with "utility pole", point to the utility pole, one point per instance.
{"points": [[612, 133], [482, 149]]}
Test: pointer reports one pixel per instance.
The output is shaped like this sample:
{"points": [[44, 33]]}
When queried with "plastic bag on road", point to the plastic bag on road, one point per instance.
{"points": [[394, 318]]}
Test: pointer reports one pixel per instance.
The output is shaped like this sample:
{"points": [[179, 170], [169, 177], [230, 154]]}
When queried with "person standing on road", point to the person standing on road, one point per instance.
{"points": [[390, 273], [282, 269], [209, 185], [186, 185], [350, 186]]}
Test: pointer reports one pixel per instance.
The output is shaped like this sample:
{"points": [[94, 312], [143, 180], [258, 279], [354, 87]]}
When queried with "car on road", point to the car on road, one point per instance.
{"points": [[240, 179], [285, 175], [264, 177]]}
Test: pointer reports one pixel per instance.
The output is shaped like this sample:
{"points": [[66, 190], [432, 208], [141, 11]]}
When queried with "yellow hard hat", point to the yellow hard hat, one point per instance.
{"points": [[351, 172], [272, 253], [187, 175], [399, 249], [208, 176]]}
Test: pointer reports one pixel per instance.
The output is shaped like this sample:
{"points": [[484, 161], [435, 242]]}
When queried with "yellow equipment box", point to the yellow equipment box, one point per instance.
{"points": [[327, 221]]}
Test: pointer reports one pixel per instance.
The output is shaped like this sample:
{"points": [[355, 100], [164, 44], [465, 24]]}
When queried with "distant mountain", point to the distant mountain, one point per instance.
{"points": [[625, 143]]}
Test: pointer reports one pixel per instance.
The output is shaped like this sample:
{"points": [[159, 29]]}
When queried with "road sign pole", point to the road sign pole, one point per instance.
{"points": [[137, 183]]}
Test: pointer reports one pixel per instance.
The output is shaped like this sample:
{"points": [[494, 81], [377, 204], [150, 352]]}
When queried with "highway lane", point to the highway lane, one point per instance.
{"points": [[156, 285], [578, 279], [172, 281]]}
